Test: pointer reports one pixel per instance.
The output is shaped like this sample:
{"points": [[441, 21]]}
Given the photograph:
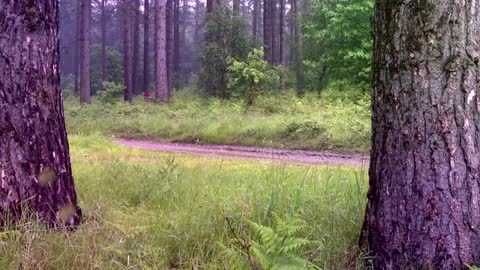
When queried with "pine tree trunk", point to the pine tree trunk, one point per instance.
{"points": [[146, 49], [85, 91], [78, 34], [136, 47], [35, 170], [256, 4], [267, 35], [423, 204], [236, 7], [170, 50], [298, 47], [161, 80], [104, 34], [176, 43], [281, 41], [127, 51], [273, 32]]}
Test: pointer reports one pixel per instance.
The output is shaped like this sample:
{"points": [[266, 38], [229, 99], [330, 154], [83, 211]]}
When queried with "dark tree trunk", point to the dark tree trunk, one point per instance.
{"points": [[104, 34], [209, 6], [281, 41], [273, 32], [77, 45], [176, 43], [85, 91], [35, 170], [170, 45], [423, 204], [161, 80], [256, 4], [146, 49], [236, 7], [127, 51], [298, 46], [267, 34], [136, 47]]}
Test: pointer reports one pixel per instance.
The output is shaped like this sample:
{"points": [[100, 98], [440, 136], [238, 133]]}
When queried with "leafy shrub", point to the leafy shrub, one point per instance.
{"points": [[112, 93], [306, 129], [252, 77]]}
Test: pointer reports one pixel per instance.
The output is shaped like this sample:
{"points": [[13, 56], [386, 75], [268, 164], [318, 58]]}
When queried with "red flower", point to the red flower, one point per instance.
{"points": [[148, 94]]}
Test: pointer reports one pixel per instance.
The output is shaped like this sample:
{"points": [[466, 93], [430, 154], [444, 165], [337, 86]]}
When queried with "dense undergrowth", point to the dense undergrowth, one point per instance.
{"points": [[146, 210], [334, 122]]}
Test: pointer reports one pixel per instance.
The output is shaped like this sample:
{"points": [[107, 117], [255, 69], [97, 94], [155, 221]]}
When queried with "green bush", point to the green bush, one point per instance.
{"points": [[112, 94], [252, 77]]}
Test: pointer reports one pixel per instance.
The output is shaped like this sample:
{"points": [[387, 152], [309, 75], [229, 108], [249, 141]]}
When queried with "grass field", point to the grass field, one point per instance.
{"points": [[146, 210], [281, 121]]}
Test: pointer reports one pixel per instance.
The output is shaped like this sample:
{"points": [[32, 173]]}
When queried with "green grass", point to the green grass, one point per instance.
{"points": [[146, 210], [282, 121]]}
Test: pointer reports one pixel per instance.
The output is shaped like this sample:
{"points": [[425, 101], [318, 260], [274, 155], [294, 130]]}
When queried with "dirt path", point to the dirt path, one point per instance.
{"points": [[252, 153]]}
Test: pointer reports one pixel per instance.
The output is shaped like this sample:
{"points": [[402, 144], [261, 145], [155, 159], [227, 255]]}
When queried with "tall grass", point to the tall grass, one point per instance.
{"points": [[282, 120], [148, 210]]}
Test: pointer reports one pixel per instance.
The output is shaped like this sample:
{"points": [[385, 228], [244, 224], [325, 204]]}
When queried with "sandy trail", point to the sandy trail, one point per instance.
{"points": [[250, 153]]}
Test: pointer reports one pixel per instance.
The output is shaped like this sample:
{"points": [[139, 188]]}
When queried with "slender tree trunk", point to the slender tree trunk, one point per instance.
{"points": [[85, 91], [256, 4], [136, 47], [273, 32], [236, 7], [423, 204], [127, 51], [78, 34], [267, 35], [170, 45], [35, 171], [146, 49], [281, 42], [298, 47], [161, 80], [176, 43], [104, 34], [183, 42]]}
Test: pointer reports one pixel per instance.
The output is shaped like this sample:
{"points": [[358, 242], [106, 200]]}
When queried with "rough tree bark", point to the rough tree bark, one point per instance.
{"points": [[169, 33], [267, 31], [273, 32], [281, 41], [161, 80], [136, 47], [176, 43], [35, 170], [104, 36], [77, 46], [236, 7], [146, 49], [423, 204], [256, 4], [85, 91], [297, 14], [127, 51]]}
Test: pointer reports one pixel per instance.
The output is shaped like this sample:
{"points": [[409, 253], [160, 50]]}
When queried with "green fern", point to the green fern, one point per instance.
{"points": [[276, 247]]}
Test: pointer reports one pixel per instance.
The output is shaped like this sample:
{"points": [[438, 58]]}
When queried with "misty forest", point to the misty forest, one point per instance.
{"points": [[240, 134]]}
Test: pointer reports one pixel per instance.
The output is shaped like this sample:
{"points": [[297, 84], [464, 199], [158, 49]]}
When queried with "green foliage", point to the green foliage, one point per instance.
{"points": [[114, 67], [276, 247], [338, 40], [226, 37], [112, 94], [248, 79], [282, 120], [152, 210]]}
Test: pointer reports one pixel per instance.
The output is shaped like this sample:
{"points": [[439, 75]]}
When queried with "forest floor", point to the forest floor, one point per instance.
{"points": [[250, 153]]}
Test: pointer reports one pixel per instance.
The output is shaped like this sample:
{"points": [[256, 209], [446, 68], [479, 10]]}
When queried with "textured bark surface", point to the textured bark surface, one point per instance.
{"points": [[136, 47], [423, 204], [35, 168], [103, 37], [146, 49], [78, 29], [85, 91], [161, 81], [297, 15], [127, 50], [256, 4], [267, 31], [170, 43]]}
